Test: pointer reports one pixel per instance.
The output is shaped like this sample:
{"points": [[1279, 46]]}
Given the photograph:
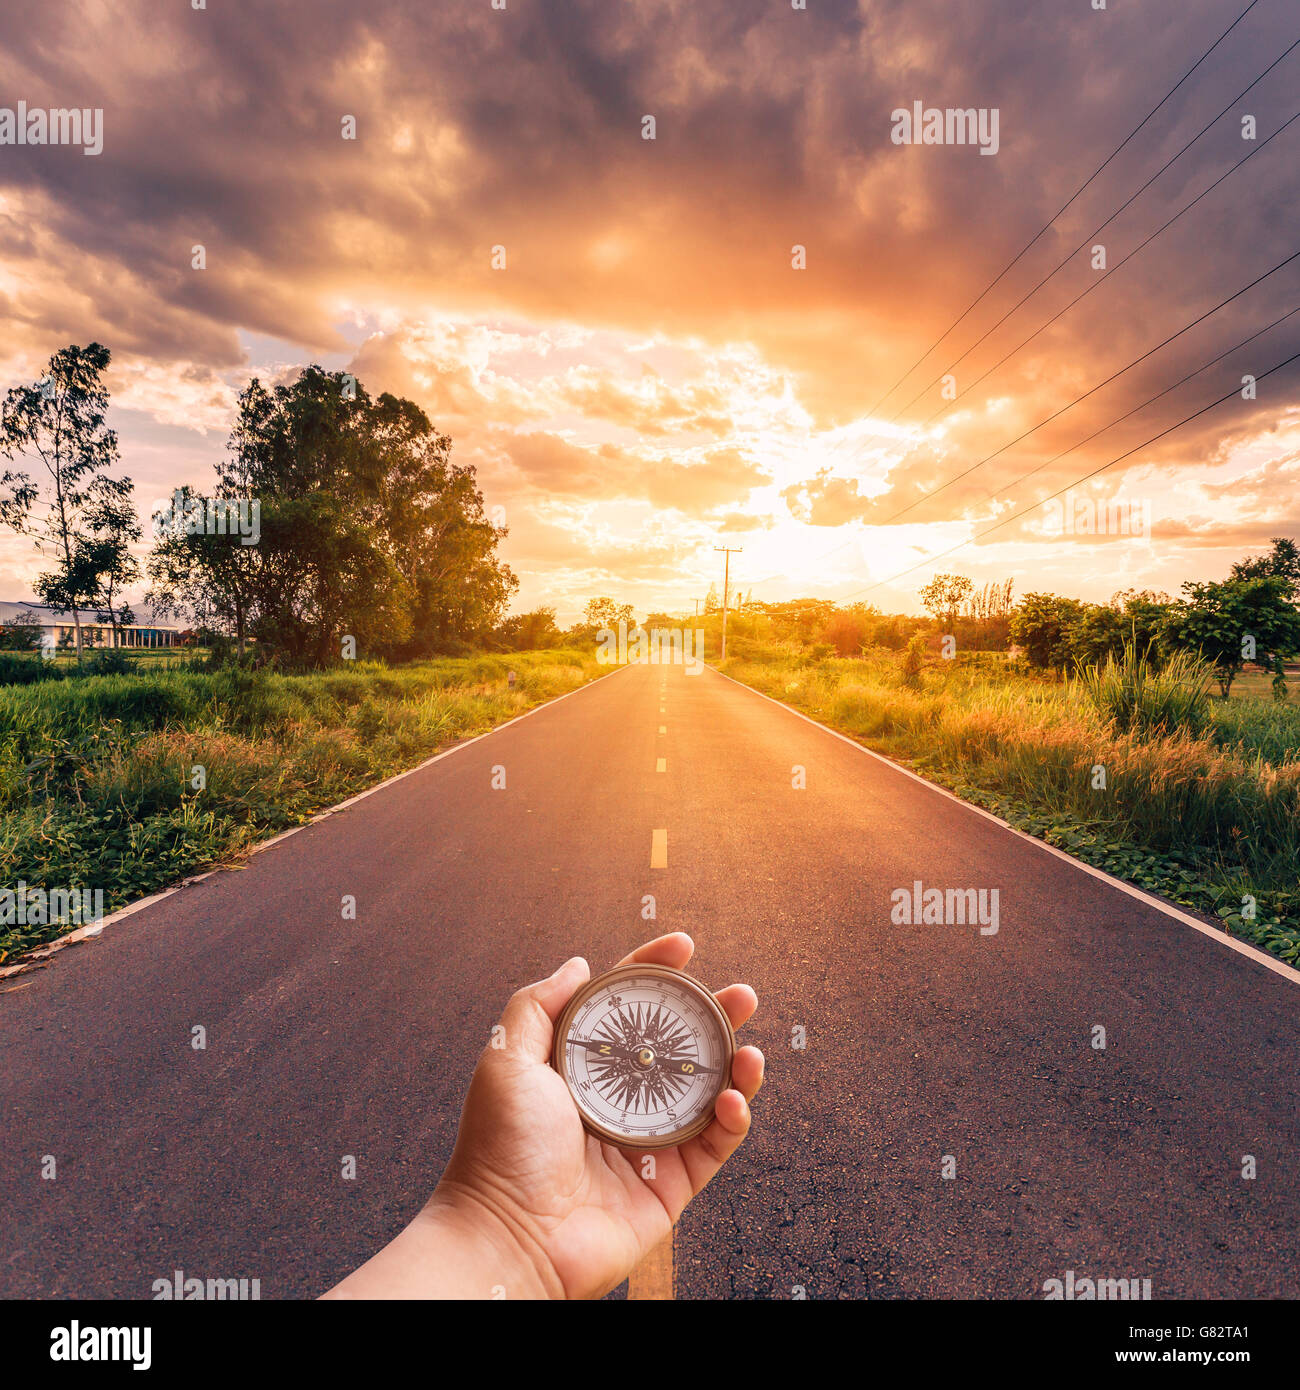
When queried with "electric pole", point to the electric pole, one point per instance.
{"points": [[726, 588]]}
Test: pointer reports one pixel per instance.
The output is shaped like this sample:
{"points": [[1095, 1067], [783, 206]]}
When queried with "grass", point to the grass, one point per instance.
{"points": [[98, 775], [1197, 798]]}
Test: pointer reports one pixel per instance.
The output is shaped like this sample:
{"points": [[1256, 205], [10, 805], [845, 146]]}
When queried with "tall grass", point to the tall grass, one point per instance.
{"points": [[97, 775], [1136, 694], [1201, 798]]}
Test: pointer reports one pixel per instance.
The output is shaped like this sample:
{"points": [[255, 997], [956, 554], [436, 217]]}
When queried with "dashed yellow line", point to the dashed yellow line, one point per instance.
{"points": [[659, 849], [661, 765], [663, 728], [653, 1277]]}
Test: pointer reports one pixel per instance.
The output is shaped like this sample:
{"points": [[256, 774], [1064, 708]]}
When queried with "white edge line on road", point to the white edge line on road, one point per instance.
{"points": [[37, 957], [1278, 967]]}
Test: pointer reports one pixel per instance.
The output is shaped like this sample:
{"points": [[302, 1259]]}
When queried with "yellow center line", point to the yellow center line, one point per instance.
{"points": [[653, 1277], [661, 765], [659, 849], [663, 728]]}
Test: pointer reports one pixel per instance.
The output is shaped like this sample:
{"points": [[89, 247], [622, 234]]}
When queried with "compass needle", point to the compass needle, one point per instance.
{"points": [[645, 1051]]}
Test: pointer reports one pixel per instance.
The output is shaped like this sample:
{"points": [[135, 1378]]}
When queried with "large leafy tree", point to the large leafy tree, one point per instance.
{"points": [[944, 595], [1046, 627], [367, 530], [529, 631], [1236, 621], [604, 612], [106, 551], [60, 424], [212, 577], [1282, 562]]}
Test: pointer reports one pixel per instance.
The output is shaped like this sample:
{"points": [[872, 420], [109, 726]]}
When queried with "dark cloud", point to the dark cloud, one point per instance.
{"points": [[521, 128]]}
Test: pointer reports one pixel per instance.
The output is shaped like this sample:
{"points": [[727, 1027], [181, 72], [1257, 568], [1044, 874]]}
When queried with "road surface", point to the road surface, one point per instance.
{"points": [[329, 1037]]}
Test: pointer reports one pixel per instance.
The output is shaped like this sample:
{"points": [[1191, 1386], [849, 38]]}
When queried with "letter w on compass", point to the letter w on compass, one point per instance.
{"points": [[637, 1058]]}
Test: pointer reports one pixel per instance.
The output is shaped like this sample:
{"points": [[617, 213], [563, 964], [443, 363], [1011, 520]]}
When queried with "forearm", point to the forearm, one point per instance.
{"points": [[455, 1248]]}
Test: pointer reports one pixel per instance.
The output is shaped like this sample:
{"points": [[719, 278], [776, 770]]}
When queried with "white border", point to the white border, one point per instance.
{"points": [[1261, 957], [35, 957]]}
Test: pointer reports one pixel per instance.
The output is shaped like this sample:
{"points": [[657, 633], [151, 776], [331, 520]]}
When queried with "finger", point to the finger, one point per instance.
{"points": [[674, 950], [738, 1002], [529, 1017], [747, 1071], [707, 1152]]}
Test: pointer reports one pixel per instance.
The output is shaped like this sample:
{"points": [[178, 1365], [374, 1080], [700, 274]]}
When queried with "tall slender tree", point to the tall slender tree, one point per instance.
{"points": [[60, 422]]}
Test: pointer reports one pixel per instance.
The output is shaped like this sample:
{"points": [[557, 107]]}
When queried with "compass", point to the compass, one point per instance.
{"points": [[645, 1052]]}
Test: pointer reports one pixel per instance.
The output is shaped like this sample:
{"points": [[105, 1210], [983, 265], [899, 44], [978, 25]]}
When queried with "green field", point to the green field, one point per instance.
{"points": [[1208, 819], [97, 774]]}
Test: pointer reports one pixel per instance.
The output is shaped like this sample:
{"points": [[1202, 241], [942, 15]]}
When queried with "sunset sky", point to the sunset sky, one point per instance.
{"points": [[649, 377]]}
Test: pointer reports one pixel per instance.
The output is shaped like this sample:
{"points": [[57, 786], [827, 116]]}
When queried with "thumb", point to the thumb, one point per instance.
{"points": [[529, 1018]]}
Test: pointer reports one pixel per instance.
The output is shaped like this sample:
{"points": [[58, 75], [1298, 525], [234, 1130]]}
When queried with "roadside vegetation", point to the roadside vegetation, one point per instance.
{"points": [[341, 607], [1131, 761], [98, 775]]}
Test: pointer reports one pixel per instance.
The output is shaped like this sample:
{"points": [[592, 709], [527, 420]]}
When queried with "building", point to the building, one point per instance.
{"points": [[59, 631]]}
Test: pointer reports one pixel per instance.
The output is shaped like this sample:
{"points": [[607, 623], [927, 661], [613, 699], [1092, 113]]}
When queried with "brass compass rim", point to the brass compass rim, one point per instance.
{"points": [[596, 985]]}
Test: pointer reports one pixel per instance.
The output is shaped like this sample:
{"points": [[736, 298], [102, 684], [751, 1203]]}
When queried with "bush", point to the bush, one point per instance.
{"points": [[109, 661], [26, 670], [1138, 697], [913, 662]]}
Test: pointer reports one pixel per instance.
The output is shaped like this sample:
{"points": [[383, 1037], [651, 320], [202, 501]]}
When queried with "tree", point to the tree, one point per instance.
{"points": [[604, 612], [1133, 618], [61, 420], [21, 633], [366, 530], [114, 528], [1044, 625], [526, 632], [943, 597], [847, 630], [1282, 562], [209, 576], [1236, 621]]}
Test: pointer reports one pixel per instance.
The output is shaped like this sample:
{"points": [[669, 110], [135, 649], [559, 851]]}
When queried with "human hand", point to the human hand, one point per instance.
{"points": [[531, 1205]]}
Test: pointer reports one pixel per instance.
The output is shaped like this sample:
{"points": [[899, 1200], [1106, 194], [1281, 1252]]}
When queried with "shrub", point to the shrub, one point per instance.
{"points": [[913, 662], [1135, 695]]}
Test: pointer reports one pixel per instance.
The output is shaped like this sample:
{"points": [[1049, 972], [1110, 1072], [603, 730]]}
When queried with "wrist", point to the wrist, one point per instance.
{"points": [[501, 1254], [461, 1245]]}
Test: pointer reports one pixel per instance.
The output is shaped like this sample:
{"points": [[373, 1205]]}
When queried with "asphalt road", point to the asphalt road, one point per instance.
{"points": [[328, 1037]]}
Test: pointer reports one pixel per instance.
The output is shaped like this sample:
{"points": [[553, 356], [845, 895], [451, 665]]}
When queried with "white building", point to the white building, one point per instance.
{"points": [[59, 631]]}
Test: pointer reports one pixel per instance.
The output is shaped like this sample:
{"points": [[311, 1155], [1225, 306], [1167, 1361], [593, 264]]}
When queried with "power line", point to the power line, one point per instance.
{"points": [[957, 477], [1064, 206], [1101, 280], [1151, 400], [979, 535], [894, 516], [1095, 232]]}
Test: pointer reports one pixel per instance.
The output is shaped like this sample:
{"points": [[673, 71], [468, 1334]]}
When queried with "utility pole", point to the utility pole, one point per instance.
{"points": [[697, 607], [726, 588]]}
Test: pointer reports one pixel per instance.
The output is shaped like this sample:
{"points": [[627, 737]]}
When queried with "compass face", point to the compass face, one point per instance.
{"points": [[645, 1051]]}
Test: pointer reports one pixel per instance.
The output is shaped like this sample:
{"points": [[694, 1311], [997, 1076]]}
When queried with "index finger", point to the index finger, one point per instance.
{"points": [[674, 950]]}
